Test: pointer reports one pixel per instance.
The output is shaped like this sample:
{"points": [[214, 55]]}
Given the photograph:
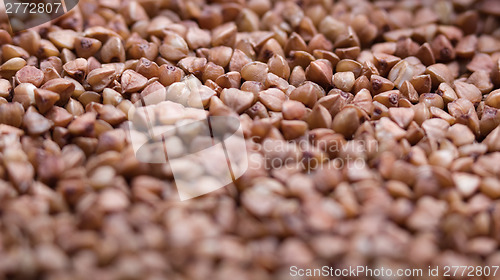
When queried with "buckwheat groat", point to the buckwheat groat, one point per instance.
{"points": [[371, 131]]}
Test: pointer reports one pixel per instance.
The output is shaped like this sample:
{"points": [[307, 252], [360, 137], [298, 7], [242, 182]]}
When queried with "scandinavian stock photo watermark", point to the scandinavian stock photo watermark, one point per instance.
{"points": [[278, 154], [381, 272], [25, 14], [205, 152]]}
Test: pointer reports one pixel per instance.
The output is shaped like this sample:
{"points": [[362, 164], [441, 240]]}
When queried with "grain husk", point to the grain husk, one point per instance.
{"points": [[320, 72]]}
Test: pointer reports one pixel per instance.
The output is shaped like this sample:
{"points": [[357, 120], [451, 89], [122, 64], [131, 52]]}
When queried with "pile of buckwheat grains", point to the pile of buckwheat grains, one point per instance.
{"points": [[372, 129]]}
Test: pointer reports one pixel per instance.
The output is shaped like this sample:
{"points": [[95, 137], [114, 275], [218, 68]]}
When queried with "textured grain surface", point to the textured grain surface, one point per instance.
{"points": [[372, 130]]}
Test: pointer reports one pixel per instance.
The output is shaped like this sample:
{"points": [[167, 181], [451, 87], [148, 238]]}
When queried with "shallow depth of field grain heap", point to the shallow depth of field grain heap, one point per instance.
{"points": [[372, 129]]}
